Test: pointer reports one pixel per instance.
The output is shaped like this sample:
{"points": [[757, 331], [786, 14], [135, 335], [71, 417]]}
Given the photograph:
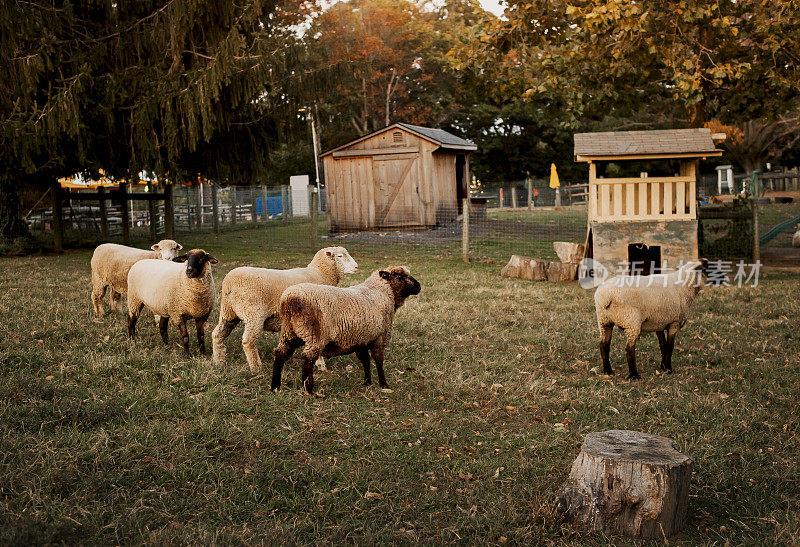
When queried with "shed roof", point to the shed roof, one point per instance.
{"points": [[651, 144], [441, 137]]}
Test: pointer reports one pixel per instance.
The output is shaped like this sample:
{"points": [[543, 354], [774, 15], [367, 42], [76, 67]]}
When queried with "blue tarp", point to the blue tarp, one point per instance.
{"points": [[274, 205]]}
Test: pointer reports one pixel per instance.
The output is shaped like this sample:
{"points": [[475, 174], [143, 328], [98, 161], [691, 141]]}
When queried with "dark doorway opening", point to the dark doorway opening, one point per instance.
{"points": [[644, 259], [461, 183]]}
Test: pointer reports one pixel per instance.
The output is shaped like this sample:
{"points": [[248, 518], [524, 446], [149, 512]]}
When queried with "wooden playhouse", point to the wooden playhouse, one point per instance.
{"points": [[402, 176], [645, 219]]}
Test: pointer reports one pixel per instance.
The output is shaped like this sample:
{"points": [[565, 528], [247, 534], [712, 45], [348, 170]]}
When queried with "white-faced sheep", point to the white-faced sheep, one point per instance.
{"points": [[335, 321], [172, 290], [796, 237], [253, 295], [641, 304], [111, 264]]}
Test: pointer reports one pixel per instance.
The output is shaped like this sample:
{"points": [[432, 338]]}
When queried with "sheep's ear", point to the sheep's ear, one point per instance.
{"points": [[703, 266], [212, 260], [182, 258], [329, 254], [179, 246], [154, 247], [384, 274]]}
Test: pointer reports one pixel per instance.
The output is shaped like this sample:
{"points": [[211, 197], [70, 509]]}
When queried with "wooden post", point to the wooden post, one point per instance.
{"points": [[234, 216], [628, 483], [253, 208], [529, 183], [285, 205], [514, 197], [265, 197], [314, 200], [103, 213], [126, 217], [58, 220], [199, 205], [151, 213], [169, 212], [214, 208], [465, 230]]}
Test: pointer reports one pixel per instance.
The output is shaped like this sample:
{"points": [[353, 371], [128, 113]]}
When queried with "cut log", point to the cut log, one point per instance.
{"points": [[522, 267], [628, 483], [512, 268], [560, 272], [570, 253]]}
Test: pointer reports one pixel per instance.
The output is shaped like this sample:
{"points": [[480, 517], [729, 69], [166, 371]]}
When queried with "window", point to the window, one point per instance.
{"points": [[644, 259], [397, 137]]}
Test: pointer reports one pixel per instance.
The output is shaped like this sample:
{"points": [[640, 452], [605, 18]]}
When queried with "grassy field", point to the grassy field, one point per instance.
{"points": [[492, 390]]}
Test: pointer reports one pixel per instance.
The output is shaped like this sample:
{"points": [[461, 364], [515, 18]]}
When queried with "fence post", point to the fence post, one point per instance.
{"points": [[214, 208], [253, 208], [465, 230], [58, 220], [169, 213], [234, 216], [265, 197], [314, 200], [199, 205], [756, 242], [103, 213], [151, 213], [126, 220], [529, 183], [514, 197], [285, 205]]}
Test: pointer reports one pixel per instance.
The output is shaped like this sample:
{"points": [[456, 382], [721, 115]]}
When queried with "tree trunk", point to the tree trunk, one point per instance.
{"points": [[570, 253], [12, 225], [628, 483]]}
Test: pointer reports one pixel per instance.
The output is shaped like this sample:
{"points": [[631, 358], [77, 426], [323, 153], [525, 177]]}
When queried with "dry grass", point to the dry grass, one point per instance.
{"points": [[105, 441]]}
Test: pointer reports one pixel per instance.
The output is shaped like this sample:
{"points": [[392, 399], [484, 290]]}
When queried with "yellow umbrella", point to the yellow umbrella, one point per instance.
{"points": [[554, 176]]}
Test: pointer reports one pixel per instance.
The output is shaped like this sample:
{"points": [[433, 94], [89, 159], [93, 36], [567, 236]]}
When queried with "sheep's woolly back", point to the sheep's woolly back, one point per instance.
{"points": [[347, 317], [254, 294], [647, 302], [111, 263], [164, 288]]}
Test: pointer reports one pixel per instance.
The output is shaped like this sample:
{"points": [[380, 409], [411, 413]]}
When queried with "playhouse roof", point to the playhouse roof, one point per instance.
{"points": [[437, 136], [662, 143]]}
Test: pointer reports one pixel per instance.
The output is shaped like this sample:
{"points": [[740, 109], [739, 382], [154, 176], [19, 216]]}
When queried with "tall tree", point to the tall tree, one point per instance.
{"points": [[164, 86]]}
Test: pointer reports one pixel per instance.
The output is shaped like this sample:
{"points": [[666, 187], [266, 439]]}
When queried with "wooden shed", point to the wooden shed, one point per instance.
{"points": [[402, 176], [645, 222]]}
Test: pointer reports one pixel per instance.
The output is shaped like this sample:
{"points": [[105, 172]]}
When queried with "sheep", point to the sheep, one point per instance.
{"points": [[110, 266], [253, 295], [335, 321], [171, 290], [796, 237], [641, 304]]}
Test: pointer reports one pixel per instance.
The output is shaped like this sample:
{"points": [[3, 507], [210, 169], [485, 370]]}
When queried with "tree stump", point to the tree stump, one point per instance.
{"points": [[560, 272], [570, 253], [531, 269], [628, 483]]}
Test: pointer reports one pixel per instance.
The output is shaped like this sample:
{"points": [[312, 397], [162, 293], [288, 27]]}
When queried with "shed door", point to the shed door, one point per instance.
{"points": [[396, 180]]}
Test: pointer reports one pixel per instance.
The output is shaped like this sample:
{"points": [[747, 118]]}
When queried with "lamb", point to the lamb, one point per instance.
{"points": [[335, 321], [796, 237], [171, 290], [641, 304], [253, 295], [111, 264]]}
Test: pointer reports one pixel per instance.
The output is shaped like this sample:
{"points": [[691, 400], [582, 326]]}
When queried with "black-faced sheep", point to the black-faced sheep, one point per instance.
{"points": [[172, 290], [335, 321], [640, 304], [253, 295], [111, 264]]}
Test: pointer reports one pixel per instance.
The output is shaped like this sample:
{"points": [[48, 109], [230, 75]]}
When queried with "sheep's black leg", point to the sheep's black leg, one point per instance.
{"points": [[605, 348], [184, 334], [662, 344], [630, 353], [132, 318], [669, 344], [377, 353], [282, 354], [163, 322], [200, 324], [308, 371], [363, 356]]}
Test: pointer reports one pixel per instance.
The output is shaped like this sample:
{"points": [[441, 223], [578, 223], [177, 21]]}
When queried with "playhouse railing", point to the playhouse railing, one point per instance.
{"points": [[652, 198]]}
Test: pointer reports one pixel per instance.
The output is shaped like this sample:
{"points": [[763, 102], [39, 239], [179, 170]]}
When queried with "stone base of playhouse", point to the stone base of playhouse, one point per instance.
{"points": [[615, 244]]}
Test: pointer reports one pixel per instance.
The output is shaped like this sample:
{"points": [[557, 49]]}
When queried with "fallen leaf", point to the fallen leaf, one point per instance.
{"points": [[373, 496]]}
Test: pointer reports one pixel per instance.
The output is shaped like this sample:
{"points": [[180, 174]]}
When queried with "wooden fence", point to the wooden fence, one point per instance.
{"points": [[653, 198]]}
